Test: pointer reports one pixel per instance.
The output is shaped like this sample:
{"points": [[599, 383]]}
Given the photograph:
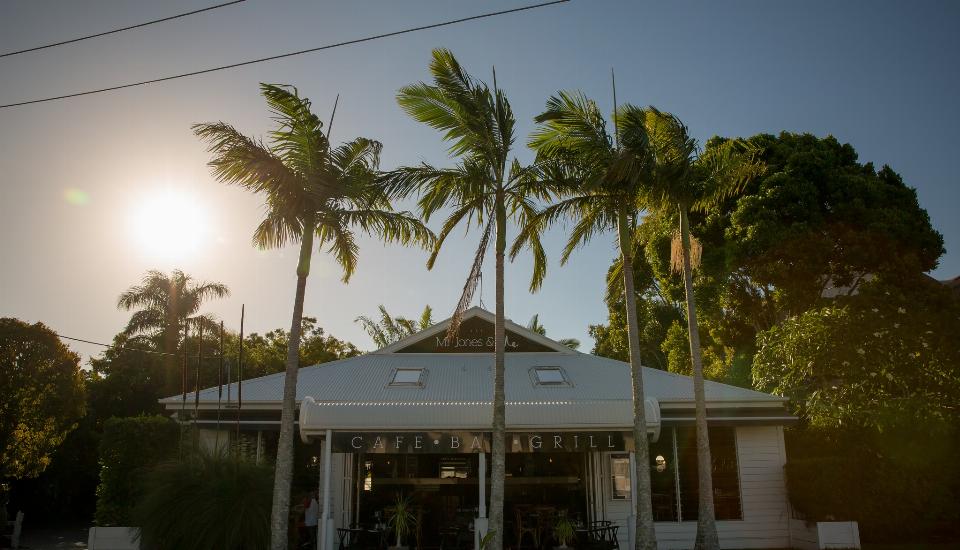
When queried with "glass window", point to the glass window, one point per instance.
{"points": [[550, 376], [407, 377], [663, 483], [726, 478], [620, 476]]}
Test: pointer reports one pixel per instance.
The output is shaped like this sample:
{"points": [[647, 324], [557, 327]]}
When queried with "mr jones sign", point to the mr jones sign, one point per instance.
{"points": [[475, 442]]}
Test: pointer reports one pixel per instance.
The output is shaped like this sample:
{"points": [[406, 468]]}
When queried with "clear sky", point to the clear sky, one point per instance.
{"points": [[82, 179]]}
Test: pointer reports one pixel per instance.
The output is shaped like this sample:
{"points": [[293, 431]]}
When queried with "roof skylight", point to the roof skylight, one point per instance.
{"points": [[407, 377], [550, 376]]}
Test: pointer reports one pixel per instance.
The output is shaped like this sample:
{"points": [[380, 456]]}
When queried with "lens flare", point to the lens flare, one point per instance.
{"points": [[76, 197]]}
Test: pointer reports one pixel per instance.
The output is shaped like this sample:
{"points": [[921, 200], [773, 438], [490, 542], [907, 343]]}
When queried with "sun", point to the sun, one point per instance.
{"points": [[169, 225]]}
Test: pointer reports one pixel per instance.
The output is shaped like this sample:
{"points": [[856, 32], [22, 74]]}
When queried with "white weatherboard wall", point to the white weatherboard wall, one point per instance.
{"points": [[766, 512]]}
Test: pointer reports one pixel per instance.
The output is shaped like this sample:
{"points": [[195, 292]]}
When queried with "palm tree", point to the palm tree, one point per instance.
{"points": [[536, 326], [684, 178], [311, 191], [390, 329], [163, 305], [486, 187], [597, 182]]}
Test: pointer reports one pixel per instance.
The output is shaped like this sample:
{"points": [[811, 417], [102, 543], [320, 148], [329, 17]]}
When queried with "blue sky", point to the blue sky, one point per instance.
{"points": [[879, 75]]}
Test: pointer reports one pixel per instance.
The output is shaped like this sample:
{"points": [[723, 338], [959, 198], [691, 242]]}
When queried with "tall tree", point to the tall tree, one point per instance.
{"points": [[311, 191], [597, 178], [681, 178], [536, 326], [486, 187], [390, 329], [162, 305], [42, 398]]}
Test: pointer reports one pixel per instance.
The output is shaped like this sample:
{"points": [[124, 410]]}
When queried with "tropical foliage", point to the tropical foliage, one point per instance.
{"points": [[486, 188], [42, 397], [865, 360], [312, 191], [129, 447], [535, 325], [208, 501], [598, 185], [390, 329]]}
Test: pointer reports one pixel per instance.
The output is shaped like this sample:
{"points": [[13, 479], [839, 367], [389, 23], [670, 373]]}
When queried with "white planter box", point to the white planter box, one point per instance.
{"points": [[113, 538], [824, 534]]}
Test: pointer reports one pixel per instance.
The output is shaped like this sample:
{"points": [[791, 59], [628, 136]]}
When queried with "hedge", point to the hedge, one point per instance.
{"points": [[129, 448], [898, 486]]}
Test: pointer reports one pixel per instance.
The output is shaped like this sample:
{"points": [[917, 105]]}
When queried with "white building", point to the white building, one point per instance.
{"points": [[413, 420]]}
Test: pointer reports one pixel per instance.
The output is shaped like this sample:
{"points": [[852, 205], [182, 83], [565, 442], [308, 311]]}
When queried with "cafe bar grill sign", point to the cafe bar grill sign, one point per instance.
{"points": [[440, 442]]}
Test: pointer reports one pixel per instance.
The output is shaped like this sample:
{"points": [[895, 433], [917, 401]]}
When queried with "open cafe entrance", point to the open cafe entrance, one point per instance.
{"points": [[442, 479]]}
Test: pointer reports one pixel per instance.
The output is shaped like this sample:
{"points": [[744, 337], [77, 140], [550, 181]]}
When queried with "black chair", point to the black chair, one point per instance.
{"points": [[602, 537], [449, 538]]}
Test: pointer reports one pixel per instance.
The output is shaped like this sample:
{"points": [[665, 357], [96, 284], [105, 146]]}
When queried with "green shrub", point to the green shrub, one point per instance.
{"points": [[128, 448], [208, 501], [899, 485]]}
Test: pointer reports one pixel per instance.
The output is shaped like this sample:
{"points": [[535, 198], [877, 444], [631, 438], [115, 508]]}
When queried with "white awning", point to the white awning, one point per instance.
{"points": [[562, 414]]}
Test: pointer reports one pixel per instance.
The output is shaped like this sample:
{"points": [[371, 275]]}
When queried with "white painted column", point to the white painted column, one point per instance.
{"points": [[632, 518], [480, 523], [325, 527]]}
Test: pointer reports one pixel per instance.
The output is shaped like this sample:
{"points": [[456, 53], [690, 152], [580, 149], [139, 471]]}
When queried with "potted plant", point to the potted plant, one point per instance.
{"points": [[563, 531], [401, 519]]}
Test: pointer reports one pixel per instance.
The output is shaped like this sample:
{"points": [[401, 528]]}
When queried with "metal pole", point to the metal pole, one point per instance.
{"points": [[196, 385], [183, 384], [240, 375], [676, 475], [324, 533], [219, 385]]}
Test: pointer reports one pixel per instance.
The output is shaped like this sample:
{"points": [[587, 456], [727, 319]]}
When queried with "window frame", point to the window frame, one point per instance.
{"points": [[420, 382], [564, 381], [612, 478]]}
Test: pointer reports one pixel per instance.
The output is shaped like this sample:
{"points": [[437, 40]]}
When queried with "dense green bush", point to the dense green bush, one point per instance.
{"points": [[129, 447], [206, 502], [899, 485]]}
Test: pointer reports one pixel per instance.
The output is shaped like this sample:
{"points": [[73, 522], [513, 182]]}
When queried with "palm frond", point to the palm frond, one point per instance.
{"points": [[466, 296], [453, 220], [276, 230], [341, 243], [388, 226], [572, 125], [299, 139], [247, 162]]}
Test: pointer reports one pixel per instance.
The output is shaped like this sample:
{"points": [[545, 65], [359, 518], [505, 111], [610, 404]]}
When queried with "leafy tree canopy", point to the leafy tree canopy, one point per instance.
{"points": [[42, 397], [816, 220], [267, 353], [866, 359], [803, 235]]}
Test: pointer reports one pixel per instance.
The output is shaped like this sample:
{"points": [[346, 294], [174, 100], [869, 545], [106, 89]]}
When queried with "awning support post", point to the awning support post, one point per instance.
{"points": [[325, 532], [480, 524]]}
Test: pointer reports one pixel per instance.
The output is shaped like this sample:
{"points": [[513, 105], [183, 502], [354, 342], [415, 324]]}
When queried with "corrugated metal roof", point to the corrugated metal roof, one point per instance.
{"points": [[355, 393], [468, 377]]}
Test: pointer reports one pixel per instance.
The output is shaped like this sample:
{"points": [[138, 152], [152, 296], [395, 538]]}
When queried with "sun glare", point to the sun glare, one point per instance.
{"points": [[169, 225]]}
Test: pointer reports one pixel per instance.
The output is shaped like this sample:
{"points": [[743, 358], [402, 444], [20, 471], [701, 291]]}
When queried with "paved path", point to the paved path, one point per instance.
{"points": [[54, 538]]}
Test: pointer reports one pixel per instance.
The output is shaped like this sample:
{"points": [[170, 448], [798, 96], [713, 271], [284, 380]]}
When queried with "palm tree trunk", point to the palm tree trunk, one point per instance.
{"points": [[498, 455], [706, 523], [283, 474], [646, 536]]}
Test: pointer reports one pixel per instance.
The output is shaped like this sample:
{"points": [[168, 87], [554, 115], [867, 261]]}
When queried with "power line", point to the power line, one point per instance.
{"points": [[122, 348], [290, 54], [71, 41]]}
